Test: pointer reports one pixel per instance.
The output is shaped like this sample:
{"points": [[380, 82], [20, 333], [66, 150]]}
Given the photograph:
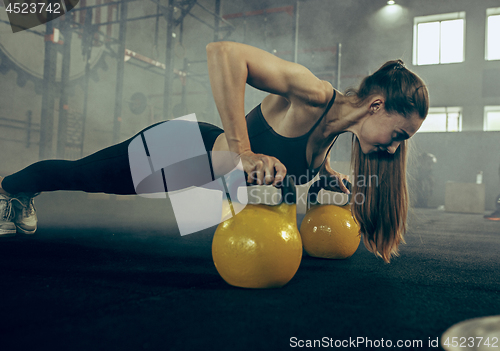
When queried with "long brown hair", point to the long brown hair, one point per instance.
{"points": [[381, 209]]}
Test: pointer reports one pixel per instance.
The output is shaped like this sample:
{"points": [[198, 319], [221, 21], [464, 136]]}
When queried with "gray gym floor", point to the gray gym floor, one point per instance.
{"points": [[115, 275]]}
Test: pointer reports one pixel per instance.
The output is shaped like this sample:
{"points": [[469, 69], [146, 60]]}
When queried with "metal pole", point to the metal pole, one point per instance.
{"points": [[216, 20], [245, 30], [168, 60], [181, 32], [129, 20], [49, 74], [88, 31], [296, 34], [183, 95], [211, 108], [157, 27], [339, 61], [29, 116], [216, 14], [86, 79], [120, 74], [62, 129]]}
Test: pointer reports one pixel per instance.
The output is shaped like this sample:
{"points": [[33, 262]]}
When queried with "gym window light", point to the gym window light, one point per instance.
{"points": [[491, 118], [439, 39], [492, 46], [442, 119]]}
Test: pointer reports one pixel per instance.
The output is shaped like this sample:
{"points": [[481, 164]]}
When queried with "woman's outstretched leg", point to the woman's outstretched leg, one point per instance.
{"points": [[105, 171]]}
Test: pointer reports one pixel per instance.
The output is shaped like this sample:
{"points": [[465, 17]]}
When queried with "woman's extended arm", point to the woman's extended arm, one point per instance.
{"points": [[232, 65]]}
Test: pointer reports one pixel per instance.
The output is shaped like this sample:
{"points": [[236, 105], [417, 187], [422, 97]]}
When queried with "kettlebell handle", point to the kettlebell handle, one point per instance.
{"points": [[288, 190], [322, 183], [287, 187]]}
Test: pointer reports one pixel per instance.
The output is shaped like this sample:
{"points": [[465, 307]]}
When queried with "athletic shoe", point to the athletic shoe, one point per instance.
{"points": [[25, 217], [495, 216], [7, 226]]}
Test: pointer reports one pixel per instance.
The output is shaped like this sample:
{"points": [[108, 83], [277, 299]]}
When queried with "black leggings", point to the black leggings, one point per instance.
{"points": [[105, 171]]}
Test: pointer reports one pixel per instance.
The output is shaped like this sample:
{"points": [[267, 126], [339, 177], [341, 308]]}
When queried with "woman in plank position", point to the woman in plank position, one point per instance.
{"points": [[290, 132]]}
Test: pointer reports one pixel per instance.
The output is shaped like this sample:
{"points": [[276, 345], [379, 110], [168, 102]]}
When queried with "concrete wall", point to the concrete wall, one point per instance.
{"points": [[460, 156], [369, 38]]}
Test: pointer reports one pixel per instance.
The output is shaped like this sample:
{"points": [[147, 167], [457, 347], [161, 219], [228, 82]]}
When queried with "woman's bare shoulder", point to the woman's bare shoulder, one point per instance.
{"points": [[319, 96], [325, 94], [274, 104]]}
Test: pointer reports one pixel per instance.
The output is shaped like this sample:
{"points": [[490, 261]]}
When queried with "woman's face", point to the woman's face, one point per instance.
{"points": [[382, 131]]}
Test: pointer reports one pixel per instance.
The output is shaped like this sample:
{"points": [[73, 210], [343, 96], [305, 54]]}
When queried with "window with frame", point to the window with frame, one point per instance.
{"points": [[442, 119], [439, 39], [492, 47], [491, 118]]}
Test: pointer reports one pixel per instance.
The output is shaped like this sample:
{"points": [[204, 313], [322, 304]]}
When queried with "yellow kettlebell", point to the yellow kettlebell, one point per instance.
{"points": [[260, 247], [329, 231]]}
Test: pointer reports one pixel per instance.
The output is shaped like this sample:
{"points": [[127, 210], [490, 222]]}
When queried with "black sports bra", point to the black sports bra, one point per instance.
{"points": [[290, 151]]}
